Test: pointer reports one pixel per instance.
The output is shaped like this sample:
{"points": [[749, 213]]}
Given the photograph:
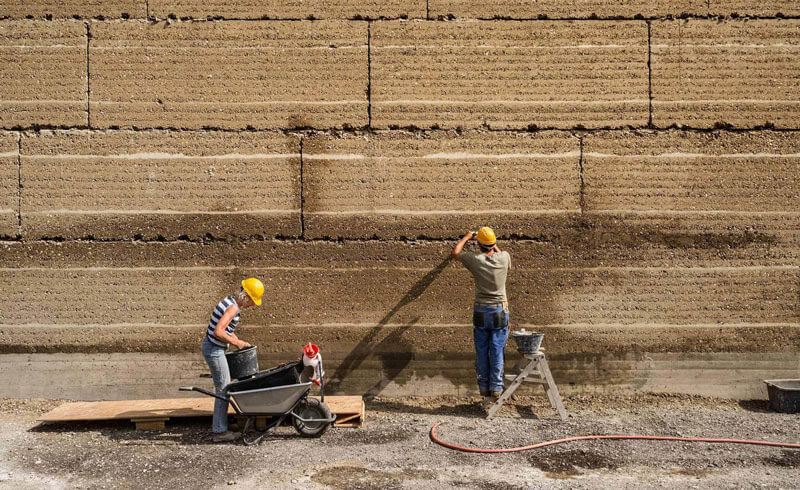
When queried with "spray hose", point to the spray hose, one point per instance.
{"points": [[435, 439]]}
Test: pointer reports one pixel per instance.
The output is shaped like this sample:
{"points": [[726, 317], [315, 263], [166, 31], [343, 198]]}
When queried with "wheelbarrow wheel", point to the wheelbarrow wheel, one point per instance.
{"points": [[311, 408]]}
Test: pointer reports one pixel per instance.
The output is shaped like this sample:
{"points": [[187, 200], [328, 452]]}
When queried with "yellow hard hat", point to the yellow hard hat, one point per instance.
{"points": [[254, 289], [486, 237]]}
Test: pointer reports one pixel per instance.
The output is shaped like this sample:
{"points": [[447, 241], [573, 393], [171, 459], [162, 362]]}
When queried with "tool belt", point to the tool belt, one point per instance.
{"points": [[504, 304], [499, 316]]}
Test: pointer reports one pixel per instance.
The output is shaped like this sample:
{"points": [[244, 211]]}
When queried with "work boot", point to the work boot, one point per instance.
{"points": [[226, 436], [496, 394]]}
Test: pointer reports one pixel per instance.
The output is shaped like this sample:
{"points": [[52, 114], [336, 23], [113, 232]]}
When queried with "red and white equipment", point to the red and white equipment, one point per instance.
{"points": [[312, 359]]}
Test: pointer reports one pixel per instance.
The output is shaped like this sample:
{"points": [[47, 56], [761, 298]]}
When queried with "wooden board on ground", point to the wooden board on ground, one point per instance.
{"points": [[349, 410]]}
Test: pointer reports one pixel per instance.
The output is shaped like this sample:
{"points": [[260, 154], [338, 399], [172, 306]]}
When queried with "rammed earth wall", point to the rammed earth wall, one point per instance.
{"points": [[640, 160]]}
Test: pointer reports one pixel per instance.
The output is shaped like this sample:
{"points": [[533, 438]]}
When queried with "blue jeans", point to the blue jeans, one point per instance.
{"points": [[215, 358], [491, 334]]}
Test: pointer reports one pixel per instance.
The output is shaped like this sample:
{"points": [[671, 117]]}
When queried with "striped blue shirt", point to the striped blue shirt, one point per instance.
{"points": [[222, 306]]}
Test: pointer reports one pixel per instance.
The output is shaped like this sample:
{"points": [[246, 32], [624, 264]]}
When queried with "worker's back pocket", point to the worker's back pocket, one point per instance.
{"points": [[489, 317], [477, 319], [500, 319]]}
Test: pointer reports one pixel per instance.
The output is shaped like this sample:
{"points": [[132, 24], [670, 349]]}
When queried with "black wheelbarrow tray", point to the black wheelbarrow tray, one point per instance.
{"points": [[254, 397]]}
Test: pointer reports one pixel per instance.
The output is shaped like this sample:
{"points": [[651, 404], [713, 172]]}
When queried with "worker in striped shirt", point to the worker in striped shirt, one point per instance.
{"points": [[219, 334]]}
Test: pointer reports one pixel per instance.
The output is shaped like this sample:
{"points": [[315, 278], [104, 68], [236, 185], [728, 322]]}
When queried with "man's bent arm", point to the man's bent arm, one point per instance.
{"points": [[460, 246]]}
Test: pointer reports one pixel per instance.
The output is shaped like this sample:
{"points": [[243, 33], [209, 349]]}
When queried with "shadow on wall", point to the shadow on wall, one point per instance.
{"points": [[583, 241], [392, 364]]}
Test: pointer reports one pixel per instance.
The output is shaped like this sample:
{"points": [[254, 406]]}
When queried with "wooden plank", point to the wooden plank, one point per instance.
{"points": [[150, 424], [349, 410], [344, 406], [356, 420], [130, 409]]}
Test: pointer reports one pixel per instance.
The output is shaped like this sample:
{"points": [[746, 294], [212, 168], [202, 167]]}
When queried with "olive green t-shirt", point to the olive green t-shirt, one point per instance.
{"points": [[489, 273]]}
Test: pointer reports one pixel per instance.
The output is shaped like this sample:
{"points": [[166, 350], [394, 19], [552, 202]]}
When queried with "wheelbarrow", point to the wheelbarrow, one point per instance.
{"points": [[278, 393]]}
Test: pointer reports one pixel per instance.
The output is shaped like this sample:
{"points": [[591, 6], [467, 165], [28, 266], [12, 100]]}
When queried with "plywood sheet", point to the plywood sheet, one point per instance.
{"points": [[168, 407]]}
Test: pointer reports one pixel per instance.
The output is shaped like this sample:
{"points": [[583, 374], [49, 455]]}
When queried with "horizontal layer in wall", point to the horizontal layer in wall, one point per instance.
{"points": [[509, 75], [519, 9], [292, 9], [43, 70], [127, 376], [744, 74], [378, 283], [726, 188], [232, 75], [68, 9], [693, 172], [373, 9], [124, 184], [427, 74], [394, 184]]}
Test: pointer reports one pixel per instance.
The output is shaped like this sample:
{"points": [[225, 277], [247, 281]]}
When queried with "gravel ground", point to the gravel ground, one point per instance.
{"points": [[393, 449]]}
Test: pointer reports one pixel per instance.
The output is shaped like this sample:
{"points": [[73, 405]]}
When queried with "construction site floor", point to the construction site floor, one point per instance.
{"points": [[393, 449]]}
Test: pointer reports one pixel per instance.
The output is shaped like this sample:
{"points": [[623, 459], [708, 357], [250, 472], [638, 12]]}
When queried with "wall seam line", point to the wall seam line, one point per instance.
{"points": [[369, 74], [581, 190], [649, 76], [88, 79], [19, 184], [302, 193], [668, 17]]}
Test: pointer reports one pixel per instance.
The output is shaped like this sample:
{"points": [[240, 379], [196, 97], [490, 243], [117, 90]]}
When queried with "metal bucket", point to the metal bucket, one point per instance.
{"points": [[527, 342], [242, 363]]}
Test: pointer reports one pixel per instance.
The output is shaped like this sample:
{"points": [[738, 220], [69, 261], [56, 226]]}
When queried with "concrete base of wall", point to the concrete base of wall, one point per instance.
{"points": [[155, 375]]}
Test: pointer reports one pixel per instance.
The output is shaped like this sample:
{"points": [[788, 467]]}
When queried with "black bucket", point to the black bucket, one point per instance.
{"points": [[242, 363], [288, 374], [784, 395], [527, 342]]}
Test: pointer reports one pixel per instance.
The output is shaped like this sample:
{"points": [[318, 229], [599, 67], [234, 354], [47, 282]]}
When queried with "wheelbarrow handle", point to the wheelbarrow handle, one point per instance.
{"points": [[219, 397], [205, 392]]}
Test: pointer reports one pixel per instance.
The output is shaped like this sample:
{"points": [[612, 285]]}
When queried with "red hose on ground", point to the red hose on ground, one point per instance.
{"points": [[591, 438]]}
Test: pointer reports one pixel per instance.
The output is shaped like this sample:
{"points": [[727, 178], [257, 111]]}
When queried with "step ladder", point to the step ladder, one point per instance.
{"points": [[536, 371]]}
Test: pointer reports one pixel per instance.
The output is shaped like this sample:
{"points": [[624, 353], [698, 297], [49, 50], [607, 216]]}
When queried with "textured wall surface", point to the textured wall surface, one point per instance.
{"points": [[639, 159]]}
